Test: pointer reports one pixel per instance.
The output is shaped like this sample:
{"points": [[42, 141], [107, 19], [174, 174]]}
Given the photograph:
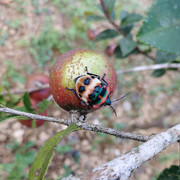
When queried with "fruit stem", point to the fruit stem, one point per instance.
{"points": [[77, 116]]}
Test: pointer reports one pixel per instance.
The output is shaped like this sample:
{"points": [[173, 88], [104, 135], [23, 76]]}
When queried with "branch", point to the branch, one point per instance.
{"points": [[110, 19], [145, 54], [45, 86], [135, 69], [150, 67], [83, 125], [122, 167]]}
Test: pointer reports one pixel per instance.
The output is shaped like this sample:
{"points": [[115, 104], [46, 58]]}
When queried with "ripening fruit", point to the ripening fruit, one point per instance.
{"points": [[92, 34], [36, 80], [110, 50], [29, 122], [77, 83]]}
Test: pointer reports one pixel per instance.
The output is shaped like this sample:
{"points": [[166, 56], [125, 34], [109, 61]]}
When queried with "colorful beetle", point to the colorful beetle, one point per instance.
{"points": [[93, 90]]}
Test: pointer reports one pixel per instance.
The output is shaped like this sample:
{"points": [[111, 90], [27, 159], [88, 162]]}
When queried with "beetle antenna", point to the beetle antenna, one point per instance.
{"points": [[113, 110], [121, 97]]}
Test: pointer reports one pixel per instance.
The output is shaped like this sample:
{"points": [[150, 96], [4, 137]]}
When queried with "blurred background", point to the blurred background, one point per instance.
{"points": [[33, 33]]}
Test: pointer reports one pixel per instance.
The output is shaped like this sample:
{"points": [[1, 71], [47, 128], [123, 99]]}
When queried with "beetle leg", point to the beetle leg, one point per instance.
{"points": [[91, 74], [73, 92]]}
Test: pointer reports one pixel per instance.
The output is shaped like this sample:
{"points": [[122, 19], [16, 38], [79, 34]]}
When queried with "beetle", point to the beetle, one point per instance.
{"points": [[93, 90]]}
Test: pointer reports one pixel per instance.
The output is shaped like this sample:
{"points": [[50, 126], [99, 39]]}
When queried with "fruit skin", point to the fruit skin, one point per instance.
{"points": [[39, 79], [69, 66], [110, 50], [28, 122], [92, 34]]}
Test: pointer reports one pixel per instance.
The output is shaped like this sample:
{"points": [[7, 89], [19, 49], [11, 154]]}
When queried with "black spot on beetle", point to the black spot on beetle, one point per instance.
{"points": [[81, 89], [87, 81], [92, 96]]}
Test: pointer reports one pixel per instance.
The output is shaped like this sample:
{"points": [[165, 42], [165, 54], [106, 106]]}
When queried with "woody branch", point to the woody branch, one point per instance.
{"points": [[122, 166]]}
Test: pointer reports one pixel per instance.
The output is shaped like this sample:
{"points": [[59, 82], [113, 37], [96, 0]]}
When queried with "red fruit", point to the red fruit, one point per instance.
{"points": [[110, 50], [71, 65], [34, 81], [28, 122], [92, 34]]}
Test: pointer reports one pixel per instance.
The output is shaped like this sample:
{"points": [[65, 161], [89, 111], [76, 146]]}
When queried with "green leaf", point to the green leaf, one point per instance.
{"points": [[163, 57], [42, 106], [130, 19], [28, 145], [126, 30], [143, 47], [109, 5], [113, 15], [2, 98], [95, 18], [42, 160], [27, 103], [26, 158], [107, 34], [127, 46], [21, 108], [63, 149], [172, 173], [118, 52], [123, 14], [161, 27], [12, 101], [10, 117], [158, 72]]}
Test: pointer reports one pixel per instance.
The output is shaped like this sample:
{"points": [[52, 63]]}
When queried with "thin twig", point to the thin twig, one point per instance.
{"points": [[150, 67], [135, 69], [29, 90], [110, 19], [83, 125], [145, 54]]}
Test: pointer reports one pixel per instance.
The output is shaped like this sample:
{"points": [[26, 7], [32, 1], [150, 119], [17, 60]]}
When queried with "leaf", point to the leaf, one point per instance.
{"points": [[109, 5], [143, 47], [27, 103], [123, 14], [127, 46], [161, 27], [21, 108], [42, 106], [12, 101], [10, 117], [163, 57], [28, 145], [130, 19], [113, 15], [107, 34], [63, 149], [127, 29], [172, 173], [158, 72], [42, 160], [2, 98], [95, 18], [118, 52]]}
